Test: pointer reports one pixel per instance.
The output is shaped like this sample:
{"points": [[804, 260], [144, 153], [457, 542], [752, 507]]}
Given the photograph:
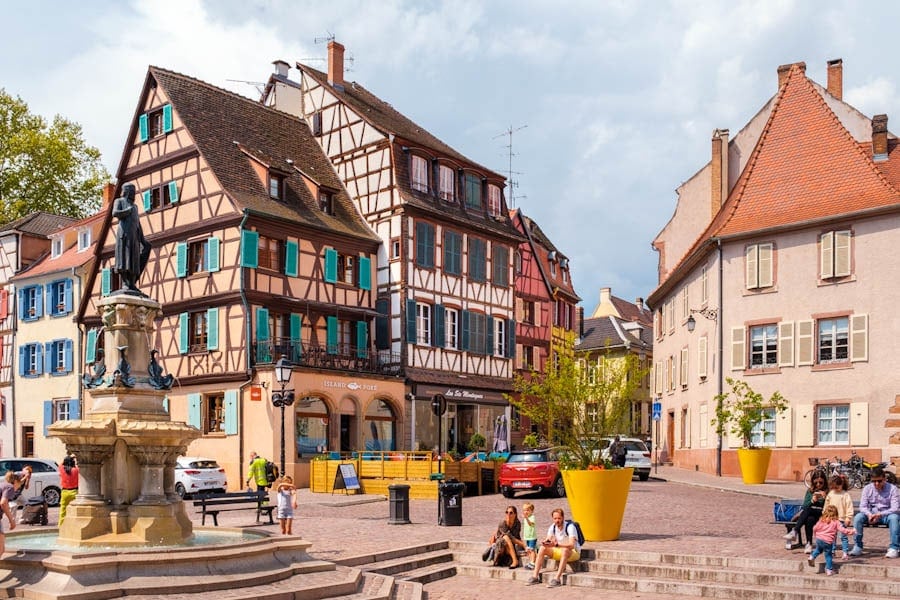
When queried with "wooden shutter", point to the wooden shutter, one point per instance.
{"points": [[826, 243], [751, 264], [67, 296], [4, 304], [684, 367], [859, 338], [296, 336], [212, 254], [702, 357], [194, 416], [766, 271], [38, 359], [144, 126], [362, 339], [67, 356], [231, 412], [173, 192], [105, 281], [50, 299], [464, 330], [39, 301], [786, 344], [411, 321], [331, 335], [841, 253], [439, 316], [147, 201], [262, 336], [805, 423], [510, 338], [167, 118], [22, 359], [783, 428], [331, 260], [90, 348], [738, 344], [184, 326], [859, 424], [181, 252], [489, 326], [51, 357], [383, 324], [365, 273], [212, 329], [249, 248], [48, 415], [74, 409], [805, 346], [291, 258]]}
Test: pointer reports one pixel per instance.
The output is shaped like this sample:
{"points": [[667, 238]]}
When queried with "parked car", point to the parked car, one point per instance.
{"points": [[44, 478], [194, 474], [532, 470], [638, 455]]}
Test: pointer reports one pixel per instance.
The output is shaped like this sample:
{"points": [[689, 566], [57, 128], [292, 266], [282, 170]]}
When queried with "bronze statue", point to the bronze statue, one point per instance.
{"points": [[132, 249], [158, 381]]}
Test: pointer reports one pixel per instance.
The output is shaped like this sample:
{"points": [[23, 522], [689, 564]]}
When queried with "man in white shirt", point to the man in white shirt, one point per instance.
{"points": [[561, 544]]}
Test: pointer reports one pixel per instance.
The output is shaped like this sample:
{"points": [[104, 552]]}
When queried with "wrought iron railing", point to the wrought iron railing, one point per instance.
{"points": [[341, 357]]}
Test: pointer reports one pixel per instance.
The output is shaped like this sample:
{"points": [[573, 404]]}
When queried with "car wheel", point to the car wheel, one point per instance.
{"points": [[643, 476], [179, 489], [559, 488], [51, 496], [507, 492]]}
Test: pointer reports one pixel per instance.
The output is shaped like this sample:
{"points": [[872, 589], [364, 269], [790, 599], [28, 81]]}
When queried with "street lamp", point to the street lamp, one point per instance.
{"points": [[283, 397], [709, 313]]}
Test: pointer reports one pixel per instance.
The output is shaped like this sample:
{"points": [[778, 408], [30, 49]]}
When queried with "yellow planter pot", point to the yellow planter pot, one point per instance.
{"points": [[754, 464], [597, 500]]}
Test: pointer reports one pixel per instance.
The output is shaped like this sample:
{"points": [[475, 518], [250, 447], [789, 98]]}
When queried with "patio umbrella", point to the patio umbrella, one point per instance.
{"points": [[500, 444]]}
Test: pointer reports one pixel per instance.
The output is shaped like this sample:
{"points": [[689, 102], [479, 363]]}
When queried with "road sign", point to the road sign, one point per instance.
{"points": [[438, 405], [657, 411]]}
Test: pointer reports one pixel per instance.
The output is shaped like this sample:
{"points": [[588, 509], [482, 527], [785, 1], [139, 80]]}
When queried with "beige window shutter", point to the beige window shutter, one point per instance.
{"points": [[859, 338], [841, 253], [751, 255], [684, 367], [701, 357], [703, 426], [859, 423], [783, 429], [805, 425], [805, 346], [786, 344], [826, 243], [766, 275], [738, 343]]}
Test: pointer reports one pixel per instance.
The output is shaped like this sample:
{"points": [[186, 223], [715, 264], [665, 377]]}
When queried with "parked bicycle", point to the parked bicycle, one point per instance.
{"points": [[862, 470], [857, 471], [823, 467]]}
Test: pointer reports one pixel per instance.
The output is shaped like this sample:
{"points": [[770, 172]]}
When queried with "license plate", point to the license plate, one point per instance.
{"points": [[521, 484]]}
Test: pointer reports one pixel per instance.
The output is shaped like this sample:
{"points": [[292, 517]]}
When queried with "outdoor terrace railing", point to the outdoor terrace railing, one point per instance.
{"points": [[341, 357]]}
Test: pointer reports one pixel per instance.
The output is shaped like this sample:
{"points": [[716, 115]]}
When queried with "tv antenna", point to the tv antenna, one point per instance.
{"points": [[259, 85], [348, 60], [512, 183]]}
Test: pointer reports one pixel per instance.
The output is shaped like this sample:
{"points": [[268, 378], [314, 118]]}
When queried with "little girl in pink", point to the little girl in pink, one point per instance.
{"points": [[825, 532]]}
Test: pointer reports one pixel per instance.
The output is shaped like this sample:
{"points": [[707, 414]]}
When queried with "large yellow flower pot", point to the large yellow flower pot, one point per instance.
{"points": [[597, 500], [754, 464]]}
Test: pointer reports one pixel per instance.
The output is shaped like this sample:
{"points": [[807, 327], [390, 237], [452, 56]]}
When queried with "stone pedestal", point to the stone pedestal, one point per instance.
{"points": [[126, 445]]}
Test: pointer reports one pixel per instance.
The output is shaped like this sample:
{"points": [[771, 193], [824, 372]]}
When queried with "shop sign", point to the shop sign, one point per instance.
{"points": [[351, 385]]}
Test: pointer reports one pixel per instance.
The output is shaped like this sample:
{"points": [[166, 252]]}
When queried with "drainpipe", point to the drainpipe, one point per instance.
{"points": [[249, 370], [720, 328], [79, 371]]}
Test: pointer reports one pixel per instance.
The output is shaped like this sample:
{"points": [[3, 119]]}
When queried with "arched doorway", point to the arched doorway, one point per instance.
{"points": [[380, 430], [312, 426]]}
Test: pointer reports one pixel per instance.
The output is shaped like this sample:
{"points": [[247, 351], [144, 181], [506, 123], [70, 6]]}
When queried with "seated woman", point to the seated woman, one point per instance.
{"points": [[505, 540], [812, 510]]}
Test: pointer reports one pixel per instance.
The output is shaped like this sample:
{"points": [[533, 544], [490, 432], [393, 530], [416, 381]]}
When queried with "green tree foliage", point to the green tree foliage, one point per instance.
{"points": [[742, 409], [575, 409], [45, 167]]}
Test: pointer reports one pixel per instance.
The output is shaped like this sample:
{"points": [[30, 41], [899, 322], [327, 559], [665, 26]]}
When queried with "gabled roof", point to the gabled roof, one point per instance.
{"points": [[629, 311], [41, 224], [541, 246], [70, 258], [230, 131], [610, 332]]}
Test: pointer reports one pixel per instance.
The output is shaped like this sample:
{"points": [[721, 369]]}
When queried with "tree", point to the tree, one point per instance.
{"points": [[742, 409], [45, 167]]}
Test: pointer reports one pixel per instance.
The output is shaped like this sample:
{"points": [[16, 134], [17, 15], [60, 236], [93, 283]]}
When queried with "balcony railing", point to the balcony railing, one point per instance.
{"points": [[341, 357]]}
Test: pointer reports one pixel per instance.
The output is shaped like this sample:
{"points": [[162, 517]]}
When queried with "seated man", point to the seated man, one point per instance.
{"points": [[880, 503], [561, 544]]}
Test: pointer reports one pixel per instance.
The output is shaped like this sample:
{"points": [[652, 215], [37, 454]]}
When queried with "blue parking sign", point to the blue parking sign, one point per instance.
{"points": [[657, 411]]}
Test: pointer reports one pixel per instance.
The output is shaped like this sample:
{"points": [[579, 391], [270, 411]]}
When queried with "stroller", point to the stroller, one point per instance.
{"points": [[35, 511]]}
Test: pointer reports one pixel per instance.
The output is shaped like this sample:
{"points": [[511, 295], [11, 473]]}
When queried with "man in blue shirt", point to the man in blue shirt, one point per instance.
{"points": [[880, 503]]}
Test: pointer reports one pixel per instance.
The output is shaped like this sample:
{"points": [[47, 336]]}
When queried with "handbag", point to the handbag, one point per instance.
{"points": [[488, 554], [785, 511]]}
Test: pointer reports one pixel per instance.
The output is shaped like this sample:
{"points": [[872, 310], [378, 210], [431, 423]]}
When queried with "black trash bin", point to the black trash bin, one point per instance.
{"points": [[399, 504], [450, 495]]}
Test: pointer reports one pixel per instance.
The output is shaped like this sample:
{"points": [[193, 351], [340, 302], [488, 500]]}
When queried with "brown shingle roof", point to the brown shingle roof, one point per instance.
{"points": [[541, 246], [629, 311], [610, 332], [39, 223]]}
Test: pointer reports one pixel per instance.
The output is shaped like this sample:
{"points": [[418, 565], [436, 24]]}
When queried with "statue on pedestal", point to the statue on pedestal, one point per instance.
{"points": [[132, 249]]}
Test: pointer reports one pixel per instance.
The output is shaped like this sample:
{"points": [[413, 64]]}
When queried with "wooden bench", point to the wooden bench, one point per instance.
{"points": [[789, 525], [213, 504]]}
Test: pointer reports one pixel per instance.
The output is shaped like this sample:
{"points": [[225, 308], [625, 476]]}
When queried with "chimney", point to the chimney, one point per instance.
{"points": [[836, 78], [639, 302], [718, 184], [109, 193], [879, 137], [605, 295], [336, 64], [281, 68], [783, 71]]}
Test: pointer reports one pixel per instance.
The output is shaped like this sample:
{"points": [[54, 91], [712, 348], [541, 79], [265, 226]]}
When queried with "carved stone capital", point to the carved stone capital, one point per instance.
{"points": [[151, 455]]}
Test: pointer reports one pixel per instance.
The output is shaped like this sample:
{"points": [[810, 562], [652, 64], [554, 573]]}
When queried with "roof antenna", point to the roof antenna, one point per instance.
{"points": [[512, 183], [259, 85], [348, 60]]}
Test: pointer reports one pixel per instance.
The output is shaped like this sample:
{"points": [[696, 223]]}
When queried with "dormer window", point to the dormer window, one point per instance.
{"points": [[419, 174], [447, 189], [494, 203], [56, 247], [276, 186], [326, 202], [84, 239]]}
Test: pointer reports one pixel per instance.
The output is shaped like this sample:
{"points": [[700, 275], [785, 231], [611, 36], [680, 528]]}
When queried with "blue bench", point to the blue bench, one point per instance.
{"points": [[790, 523]]}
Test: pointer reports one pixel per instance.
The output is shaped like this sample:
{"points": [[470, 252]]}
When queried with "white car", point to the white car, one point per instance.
{"points": [[44, 478], [195, 474], [638, 455]]}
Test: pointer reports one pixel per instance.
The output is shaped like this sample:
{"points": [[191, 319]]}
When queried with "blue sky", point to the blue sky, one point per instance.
{"points": [[618, 99]]}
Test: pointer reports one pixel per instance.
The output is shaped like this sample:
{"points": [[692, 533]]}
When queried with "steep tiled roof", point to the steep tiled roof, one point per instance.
{"points": [[541, 246], [69, 259], [217, 118], [612, 332], [629, 311], [38, 223]]}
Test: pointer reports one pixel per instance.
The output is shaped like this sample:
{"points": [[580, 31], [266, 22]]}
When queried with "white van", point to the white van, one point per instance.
{"points": [[44, 478]]}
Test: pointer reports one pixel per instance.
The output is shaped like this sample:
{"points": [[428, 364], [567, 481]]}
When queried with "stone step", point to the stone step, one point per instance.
{"points": [[375, 587], [432, 572], [408, 590], [407, 563], [364, 559]]}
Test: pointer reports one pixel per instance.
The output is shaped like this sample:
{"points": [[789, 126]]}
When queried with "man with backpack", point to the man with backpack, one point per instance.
{"points": [[562, 544], [257, 472]]}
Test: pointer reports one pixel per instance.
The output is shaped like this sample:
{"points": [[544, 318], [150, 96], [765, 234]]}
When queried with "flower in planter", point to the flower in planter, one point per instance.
{"points": [[742, 409]]}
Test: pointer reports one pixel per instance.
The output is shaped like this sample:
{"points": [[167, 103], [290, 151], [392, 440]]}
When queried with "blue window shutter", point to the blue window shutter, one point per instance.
{"points": [[249, 248], [365, 273], [231, 412], [382, 324], [194, 418], [411, 321], [184, 325], [67, 356], [90, 348], [489, 335], [22, 358], [146, 198], [262, 324], [49, 301], [437, 327], [296, 339], [49, 348], [173, 192], [464, 331], [362, 339], [74, 409], [68, 296], [331, 257], [21, 305], [38, 359], [144, 122], [48, 415], [511, 338], [212, 329], [105, 281], [38, 302], [212, 254], [290, 258], [181, 251], [167, 118], [331, 335]]}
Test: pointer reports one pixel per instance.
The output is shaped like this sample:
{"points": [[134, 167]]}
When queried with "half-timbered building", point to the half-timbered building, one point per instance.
{"points": [[444, 274], [22, 242], [258, 253]]}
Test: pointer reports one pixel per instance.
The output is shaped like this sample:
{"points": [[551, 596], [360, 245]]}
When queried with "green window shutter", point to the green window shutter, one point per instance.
{"points": [[173, 192], [291, 258], [181, 250], [331, 335], [365, 273], [424, 244], [144, 122], [510, 338], [90, 348], [212, 254], [362, 339], [167, 118], [296, 339], [231, 412], [263, 348], [331, 257], [382, 324], [249, 248], [184, 327], [489, 335], [146, 197], [212, 329], [194, 417], [105, 281], [464, 331], [439, 315], [411, 321]]}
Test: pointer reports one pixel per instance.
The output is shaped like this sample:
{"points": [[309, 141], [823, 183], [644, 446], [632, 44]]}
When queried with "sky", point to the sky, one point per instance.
{"points": [[612, 103]]}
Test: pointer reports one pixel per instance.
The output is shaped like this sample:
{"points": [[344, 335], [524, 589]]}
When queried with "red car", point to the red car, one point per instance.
{"points": [[533, 471]]}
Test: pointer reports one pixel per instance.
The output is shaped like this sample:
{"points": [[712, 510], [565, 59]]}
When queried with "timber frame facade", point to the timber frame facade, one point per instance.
{"points": [[445, 288], [257, 253]]}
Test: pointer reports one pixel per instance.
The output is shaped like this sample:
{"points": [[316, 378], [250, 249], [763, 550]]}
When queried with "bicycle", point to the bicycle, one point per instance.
{"points": [[822, 467]]}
